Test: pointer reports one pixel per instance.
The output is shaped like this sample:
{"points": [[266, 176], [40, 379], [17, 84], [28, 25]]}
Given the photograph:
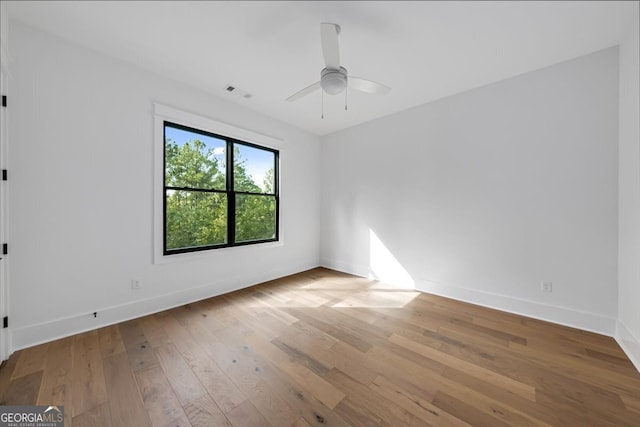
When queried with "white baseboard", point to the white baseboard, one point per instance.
{"points": [[561, 315], [629, 343], [355, 269], [31, 335]]}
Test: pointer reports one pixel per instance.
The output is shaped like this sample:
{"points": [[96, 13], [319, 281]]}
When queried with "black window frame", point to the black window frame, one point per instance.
{"points": [[229, 191]]}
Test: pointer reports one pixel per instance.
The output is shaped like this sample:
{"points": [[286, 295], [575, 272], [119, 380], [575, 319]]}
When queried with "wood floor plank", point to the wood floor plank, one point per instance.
{"points": [[57, 378], [301, 422], [323, 348], [272, 406], [88, 387], [125, 400], [31, 361], [348, 359], [203, 412], [182, 379], [607, 361], [219, 386], [632, 403], [99, 416], [203, 352], [467, 411], [364, 397], [110, 341], [247, 415], [481, 401], [302, 401], [23, 390], [6, 371], [498, 394], [571, 412], [299, 397], [320, 337], [595, 374], [246, 373], [162, 405], [359, 416], [154, 332], [322, 390], [421, 408], [301, 356], [181, 421], [482, 357], [467, 335], [255, 319], [139, 350], [336, 331], [511, 385]]}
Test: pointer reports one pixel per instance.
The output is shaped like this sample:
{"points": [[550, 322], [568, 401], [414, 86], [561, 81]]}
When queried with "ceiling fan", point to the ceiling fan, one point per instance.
{"points": [[334, 78]]}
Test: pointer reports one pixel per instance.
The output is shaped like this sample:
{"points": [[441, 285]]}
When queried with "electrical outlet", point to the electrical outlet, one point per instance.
{"points": [[547, 287], [135, 284]]}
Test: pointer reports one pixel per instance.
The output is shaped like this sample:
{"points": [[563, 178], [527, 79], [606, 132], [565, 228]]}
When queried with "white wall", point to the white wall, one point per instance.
{"points": [[628, 332], [81, 193], [482, 195]]}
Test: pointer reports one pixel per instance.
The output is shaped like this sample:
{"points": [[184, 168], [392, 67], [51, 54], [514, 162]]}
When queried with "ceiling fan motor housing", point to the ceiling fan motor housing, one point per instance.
{"points": [[333, 81]]}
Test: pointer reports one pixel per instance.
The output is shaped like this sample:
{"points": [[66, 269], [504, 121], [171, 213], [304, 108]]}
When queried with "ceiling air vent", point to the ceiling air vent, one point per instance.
{"points": [[237, 91]]}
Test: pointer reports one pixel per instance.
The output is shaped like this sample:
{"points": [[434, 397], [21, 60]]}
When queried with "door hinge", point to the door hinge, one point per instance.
{"points": [[5, 322], [5, 248], [4, 174], [4, 100]]}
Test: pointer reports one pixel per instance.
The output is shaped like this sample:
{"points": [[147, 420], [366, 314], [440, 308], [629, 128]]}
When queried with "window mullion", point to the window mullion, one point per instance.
{"points": [[231, 200]]}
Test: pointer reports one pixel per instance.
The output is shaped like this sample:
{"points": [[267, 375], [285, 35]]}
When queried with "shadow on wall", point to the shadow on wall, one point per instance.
{"points": [[385, 267]]}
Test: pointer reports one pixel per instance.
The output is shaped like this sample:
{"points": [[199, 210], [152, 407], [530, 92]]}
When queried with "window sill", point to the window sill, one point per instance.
{"points": [[213, 253]]}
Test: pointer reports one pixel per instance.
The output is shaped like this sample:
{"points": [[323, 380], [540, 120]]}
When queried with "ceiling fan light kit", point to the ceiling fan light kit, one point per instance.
{"points": [[333, 81], [334, 78]]}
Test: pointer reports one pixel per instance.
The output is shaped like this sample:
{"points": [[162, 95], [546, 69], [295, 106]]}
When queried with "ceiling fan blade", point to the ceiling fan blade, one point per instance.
{"points": [[368, 86], [330, 49], [306, 91]]}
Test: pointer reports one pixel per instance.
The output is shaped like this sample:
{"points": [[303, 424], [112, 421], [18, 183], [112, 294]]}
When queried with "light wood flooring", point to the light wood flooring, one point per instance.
{"points": [[322, 348]]}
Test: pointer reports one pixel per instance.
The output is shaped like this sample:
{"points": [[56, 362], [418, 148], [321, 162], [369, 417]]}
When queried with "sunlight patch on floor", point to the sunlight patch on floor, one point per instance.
{"points": [[378, 299]]}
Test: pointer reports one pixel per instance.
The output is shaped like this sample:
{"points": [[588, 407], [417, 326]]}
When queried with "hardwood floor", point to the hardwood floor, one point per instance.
{"points": [[323, 348]]}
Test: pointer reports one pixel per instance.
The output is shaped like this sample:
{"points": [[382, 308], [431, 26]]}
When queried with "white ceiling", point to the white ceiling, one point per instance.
{"points": [[422, 50]]}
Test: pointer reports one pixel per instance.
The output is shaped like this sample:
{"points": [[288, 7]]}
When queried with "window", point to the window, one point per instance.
{"points": [[218, 191]]}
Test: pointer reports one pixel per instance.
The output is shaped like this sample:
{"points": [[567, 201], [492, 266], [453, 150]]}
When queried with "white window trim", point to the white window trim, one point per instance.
{"points": [[164, 113]]}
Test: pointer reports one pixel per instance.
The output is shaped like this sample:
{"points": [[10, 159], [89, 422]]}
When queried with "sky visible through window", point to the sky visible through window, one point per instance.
{"points": [[258, 162]]}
